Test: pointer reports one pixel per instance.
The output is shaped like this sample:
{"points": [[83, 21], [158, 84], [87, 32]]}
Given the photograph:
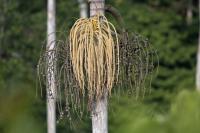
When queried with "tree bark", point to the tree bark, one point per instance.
{"points": [[198, 59], [96, 6], [100, 116], [83, 8], [51, 68], [99, 108]]}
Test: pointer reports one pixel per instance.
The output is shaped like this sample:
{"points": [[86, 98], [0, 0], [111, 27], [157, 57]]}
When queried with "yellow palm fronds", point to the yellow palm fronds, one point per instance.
{"points": [[94, 52]]}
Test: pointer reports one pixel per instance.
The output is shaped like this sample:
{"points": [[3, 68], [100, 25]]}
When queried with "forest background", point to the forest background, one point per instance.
{"points": [[172, 28]]}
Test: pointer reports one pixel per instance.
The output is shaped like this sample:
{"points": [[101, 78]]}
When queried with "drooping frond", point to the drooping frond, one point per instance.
{"points": [[94, 52]]}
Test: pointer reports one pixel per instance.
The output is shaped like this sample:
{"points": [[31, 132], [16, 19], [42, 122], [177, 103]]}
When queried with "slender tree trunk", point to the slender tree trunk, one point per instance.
{"points": [[96, 6], [83, 8], [198, 59], [100, 116], [99, 109], [189, 13], [51, 69]]}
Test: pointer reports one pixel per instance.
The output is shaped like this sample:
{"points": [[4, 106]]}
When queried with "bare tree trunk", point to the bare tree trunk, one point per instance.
{"points": [[189, 13], [99, 109], [51, 69], [83, 8], [198, 59], [96, 6], [100, 116]]}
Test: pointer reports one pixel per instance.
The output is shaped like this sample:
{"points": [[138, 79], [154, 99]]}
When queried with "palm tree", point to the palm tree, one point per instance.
{"points": [[51, 86], [91, 67], [99, 110]]}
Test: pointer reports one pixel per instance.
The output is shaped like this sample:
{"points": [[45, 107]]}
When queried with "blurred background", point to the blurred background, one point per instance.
{"points": [[172, 27]]}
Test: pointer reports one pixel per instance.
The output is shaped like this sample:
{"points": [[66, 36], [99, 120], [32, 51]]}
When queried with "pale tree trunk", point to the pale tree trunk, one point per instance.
{"points": [[198, 59], [96, 6], [99, 109], [100, 116], [2, 22], [189, 13], [83, 8], [51, 69]]}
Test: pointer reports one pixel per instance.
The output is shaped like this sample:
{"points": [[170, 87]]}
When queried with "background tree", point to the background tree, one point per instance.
{"points": [[198, 59], [99, 110], [189, 12], [51, 70], [83, 7]]}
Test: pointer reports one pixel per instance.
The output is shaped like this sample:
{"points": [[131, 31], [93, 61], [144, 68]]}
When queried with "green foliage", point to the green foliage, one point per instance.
{"points": [[183, 117], [168, 32], [185, 113]]}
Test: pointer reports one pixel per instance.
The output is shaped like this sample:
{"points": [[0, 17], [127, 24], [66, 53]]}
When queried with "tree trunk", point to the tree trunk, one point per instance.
{"points": [[189, 14], [99, 108], [51, 69], [96, 6], [198, 59], [83, 8], [100, 116]]}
